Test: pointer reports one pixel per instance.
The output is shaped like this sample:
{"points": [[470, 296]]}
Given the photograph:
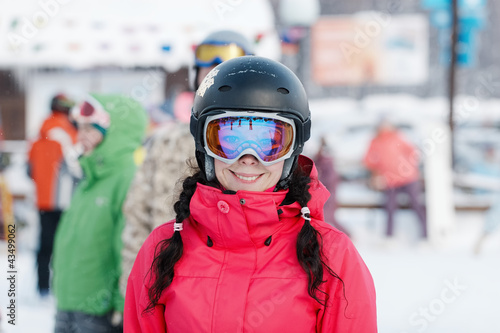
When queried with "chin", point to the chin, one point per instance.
{"points": [[248, 187], [252, 189]]}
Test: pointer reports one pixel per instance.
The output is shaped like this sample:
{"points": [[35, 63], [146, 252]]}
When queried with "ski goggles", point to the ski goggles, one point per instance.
{"points": [[90, 111], [210, 54], [267, 136]]}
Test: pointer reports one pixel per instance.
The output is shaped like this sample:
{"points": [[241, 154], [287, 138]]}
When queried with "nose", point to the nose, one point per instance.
{"points": [[248, 159]]}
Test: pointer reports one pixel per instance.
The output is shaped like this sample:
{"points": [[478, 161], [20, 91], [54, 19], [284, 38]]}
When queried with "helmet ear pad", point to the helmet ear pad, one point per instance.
{"points": [[210, 168], [206, 165], [288, 168]]}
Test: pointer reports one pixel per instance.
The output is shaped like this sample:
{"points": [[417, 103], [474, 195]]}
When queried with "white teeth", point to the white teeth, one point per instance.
{"points": [[247, 178]]}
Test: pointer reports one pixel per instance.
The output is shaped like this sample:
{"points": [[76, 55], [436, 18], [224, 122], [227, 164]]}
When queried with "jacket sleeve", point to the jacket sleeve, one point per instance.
{"points": [[351, 304], [410, 151], [119, 225], [135, 320], [70, 151], [138, 217]]}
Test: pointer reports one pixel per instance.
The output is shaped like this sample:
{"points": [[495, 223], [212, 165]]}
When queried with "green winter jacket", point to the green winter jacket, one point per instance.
{"points": [[88, 242]]}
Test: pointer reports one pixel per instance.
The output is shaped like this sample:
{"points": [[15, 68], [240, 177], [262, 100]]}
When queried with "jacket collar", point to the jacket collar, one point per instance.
{"points": [[241, 219]]}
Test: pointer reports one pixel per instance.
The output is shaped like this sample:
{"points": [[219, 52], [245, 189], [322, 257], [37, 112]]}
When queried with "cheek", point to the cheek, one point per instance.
{"points": [[276, 170], [274, 179], [219, 167]]}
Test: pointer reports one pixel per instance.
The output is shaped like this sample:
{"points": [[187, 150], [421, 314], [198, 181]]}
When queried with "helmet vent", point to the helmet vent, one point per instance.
{"points": [[283, 91], [225, 88]]}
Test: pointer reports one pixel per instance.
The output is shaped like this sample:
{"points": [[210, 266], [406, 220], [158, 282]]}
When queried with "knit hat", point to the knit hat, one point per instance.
{"points": [[92, 112], [61, 103]]}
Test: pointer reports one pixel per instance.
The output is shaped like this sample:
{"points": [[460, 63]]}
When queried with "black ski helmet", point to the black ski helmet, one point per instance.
{"points": [[220, 37], [251, 83]]}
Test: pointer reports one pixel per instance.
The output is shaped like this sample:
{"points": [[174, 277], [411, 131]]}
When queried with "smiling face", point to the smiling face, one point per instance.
{"points": [[248, 174]]}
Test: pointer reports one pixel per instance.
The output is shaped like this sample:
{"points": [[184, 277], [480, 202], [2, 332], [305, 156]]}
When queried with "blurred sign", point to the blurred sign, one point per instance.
{"points": [[471, 18], [472, 12], [466, 46], [370, 47], [436, 4], [466, 55]]}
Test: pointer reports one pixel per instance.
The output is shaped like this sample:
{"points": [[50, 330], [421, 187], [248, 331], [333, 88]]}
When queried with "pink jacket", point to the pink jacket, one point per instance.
{"points": [[393, 158], [241, 285]]}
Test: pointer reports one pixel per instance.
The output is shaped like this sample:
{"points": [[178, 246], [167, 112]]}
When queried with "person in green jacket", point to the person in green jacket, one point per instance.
{"points": [[88, 240]]}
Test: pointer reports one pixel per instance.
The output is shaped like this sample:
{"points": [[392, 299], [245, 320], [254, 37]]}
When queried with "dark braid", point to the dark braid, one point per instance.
{"points": [[169, 251], [309, 246], [309, 251]]}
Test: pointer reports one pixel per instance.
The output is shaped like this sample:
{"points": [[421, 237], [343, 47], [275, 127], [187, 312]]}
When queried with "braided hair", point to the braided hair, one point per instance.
{"points": [[308, 248]]}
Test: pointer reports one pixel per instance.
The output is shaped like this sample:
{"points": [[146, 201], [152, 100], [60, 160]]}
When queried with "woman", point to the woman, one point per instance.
{"points": [[88, 239], [248, 250]]}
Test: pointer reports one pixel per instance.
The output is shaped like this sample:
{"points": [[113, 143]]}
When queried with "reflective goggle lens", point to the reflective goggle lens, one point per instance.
{"points": [[209, 54], [271, 139]]}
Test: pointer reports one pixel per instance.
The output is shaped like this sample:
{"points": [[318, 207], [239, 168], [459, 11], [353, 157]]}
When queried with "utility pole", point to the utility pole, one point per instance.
{"points": [[453, 63]]}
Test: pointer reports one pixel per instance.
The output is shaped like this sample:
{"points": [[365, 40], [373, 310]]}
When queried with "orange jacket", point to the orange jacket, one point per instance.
{"points": [[46, 158], [393, 158]]}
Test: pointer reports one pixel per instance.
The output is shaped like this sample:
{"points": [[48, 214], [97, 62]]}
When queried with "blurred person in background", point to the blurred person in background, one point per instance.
{"points": [[88, 240], [51, 165], [393, 162], [151, 196], [488, 166], [327, 174]]}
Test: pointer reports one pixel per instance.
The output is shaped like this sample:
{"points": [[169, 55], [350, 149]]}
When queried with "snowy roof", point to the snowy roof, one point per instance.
{"points": [[94, 33]]}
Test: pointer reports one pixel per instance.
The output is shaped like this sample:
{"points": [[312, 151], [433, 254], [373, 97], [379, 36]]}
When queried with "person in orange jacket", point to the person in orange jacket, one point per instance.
{"points": [[248, 250], [52, 159], [393, 162]]}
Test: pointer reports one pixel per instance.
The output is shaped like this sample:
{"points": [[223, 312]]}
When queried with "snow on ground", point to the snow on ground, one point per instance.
{"points": [[420, 288]]}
